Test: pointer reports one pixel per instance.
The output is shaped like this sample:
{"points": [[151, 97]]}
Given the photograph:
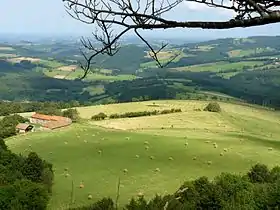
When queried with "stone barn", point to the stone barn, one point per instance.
{"points": [[24, 128]]}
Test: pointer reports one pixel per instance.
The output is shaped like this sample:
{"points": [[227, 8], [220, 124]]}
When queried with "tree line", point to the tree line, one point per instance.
{"points": [[103, 116]]}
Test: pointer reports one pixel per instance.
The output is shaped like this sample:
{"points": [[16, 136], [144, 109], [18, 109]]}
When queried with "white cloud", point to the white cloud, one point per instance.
{"points": [[213, 11]]}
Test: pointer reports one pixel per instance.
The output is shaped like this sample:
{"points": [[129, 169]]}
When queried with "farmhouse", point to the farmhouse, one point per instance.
{"points": [[24, 128], [49, 121]]}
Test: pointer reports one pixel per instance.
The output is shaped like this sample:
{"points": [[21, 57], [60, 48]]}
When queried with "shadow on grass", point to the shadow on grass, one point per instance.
{"points": [[258, 140]]}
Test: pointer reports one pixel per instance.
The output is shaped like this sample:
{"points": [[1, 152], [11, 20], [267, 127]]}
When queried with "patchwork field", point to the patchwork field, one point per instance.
{"points": [[219, 66], [152, 154]]}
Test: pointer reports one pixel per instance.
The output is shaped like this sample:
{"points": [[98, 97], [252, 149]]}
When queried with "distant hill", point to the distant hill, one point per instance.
{"points": [[246, 68]]}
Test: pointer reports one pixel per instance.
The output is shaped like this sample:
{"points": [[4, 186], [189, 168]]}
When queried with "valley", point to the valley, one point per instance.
{"points": [[153, 154]]}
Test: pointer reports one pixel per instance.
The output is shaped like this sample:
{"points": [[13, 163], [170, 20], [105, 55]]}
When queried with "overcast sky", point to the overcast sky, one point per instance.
{"points": [[49, 17]]}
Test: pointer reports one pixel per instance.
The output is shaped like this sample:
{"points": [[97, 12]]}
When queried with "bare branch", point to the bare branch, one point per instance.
{"points": [[114, 18]]}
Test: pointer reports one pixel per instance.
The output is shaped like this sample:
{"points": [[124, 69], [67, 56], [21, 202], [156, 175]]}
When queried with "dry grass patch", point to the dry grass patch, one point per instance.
{"points": [[68, 68], [19, 59], [6, 49], [7, 55]]}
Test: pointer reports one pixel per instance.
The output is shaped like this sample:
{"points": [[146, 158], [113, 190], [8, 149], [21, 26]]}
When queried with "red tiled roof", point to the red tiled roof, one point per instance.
{"points": [[22, 126], [48, 117], [56, 124]]}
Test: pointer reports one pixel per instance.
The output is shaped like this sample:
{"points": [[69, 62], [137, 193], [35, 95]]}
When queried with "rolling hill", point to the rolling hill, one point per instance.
{"points": [[154, 154]]}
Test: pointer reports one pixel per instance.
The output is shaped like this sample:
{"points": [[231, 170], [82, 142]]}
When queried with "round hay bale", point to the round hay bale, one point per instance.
{"points": [[225, 149], [30, 145], [67, 175], [147, 147], [89, 196], [66, 169], [186, 143], [270, 149], [207, 142], [137, 156], [215, 146], [99, 151], [51, 153], [170, 158], [157, 170], [125, 170], [194, 158], [85, 141], [146, 143], [140, 194], [209, 162], [66, 142], [221, 154], [81, 185], [152, 157], [127, 138]]}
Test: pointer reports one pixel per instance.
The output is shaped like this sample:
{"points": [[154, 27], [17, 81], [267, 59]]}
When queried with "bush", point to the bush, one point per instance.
{"points": [[73, 114], [100, 116], [213, 107]]}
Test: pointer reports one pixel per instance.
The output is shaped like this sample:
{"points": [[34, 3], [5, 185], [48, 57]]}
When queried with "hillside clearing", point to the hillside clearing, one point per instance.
{"points": [[98, 156], [219, 66]]}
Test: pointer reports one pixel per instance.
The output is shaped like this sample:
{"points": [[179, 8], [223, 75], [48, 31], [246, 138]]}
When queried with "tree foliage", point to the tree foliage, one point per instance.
{"points": [[213, 107]]}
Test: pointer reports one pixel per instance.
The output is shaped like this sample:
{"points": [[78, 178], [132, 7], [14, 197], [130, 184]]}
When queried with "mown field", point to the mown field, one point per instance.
{"points": [[220, 66], [153, 154]]}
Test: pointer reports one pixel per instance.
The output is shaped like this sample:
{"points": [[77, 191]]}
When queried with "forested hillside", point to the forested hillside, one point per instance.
{"points": [[246, 68]]}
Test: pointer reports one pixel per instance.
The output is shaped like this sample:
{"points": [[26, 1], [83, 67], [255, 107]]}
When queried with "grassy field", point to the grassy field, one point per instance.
{"points": [[219, 66], [242, 53], [165, 57], [158, 152]]}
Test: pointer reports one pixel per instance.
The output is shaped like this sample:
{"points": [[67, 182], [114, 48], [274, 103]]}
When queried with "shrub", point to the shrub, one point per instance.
{"points": [[100, 116], [213, 107], [73, 114]]}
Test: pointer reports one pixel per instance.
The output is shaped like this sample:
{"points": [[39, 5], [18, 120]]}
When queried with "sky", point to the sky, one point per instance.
{"points": [[50, 18]]}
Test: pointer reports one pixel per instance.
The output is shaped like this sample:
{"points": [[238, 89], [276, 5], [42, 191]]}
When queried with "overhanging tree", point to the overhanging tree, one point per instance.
{"points": [[134, 15]]}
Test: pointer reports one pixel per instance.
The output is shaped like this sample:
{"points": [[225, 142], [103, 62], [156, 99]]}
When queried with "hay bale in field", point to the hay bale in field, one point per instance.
{"points": [[100, 152], [65, 142], [137, 156], [209, 162], [157, 170], [194, 158], [125, 170], [127, 138], [67, 175], [221, 154], [81, 185], [152, 157], [186, 143], [66, 169], [85, 141], [170, 158], [146, 143], [207, 142], [140, 194], [51, 153], [147, 147], [270, 148], [225, 149], [89, 196], [30, 145]]}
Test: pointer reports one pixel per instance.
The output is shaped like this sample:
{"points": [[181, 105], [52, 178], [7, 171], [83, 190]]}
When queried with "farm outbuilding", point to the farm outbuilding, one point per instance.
{"points": [[24, 128], [50, 121]]}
